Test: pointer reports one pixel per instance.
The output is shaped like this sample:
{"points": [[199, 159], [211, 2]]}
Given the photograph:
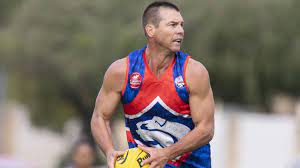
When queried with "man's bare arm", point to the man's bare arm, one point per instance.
{"points": [[107, 100]]}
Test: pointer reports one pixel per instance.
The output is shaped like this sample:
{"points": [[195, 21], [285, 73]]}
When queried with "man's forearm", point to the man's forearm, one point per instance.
{"points": [[199, 136], [102, 134]]}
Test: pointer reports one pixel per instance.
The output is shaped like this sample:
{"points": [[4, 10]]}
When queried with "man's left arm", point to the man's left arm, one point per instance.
{"points": [[201, 103]]}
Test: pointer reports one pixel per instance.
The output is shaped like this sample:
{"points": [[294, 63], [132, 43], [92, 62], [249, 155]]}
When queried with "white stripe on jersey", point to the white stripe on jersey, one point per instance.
{"points": [[162, 103]]}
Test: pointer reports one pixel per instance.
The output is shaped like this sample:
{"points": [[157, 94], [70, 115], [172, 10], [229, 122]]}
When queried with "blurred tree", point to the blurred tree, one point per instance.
{"points": [[58, 51], [6, 10], [248, 47]]}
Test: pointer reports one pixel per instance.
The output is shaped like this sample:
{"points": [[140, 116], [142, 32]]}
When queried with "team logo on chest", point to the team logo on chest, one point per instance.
{"points": [[159, 132], [135, 80], [179, 82]]}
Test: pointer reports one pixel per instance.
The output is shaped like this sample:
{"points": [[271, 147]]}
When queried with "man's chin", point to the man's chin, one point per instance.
{"points": [[175, 49]]}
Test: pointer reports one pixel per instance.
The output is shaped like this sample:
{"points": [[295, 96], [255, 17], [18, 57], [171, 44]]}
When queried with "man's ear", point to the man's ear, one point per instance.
{"points": [[150, 30]]}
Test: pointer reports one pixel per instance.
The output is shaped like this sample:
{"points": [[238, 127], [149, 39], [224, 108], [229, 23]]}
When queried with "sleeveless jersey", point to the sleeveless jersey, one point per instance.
{"points": [[157, 112]]}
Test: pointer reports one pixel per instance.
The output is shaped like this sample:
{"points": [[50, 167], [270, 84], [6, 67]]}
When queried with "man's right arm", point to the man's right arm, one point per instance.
{"points": [[107, 100]]}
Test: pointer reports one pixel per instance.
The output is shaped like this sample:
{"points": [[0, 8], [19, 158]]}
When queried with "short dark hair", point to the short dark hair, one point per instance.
{"points": [[151, 13], [83, 141]]}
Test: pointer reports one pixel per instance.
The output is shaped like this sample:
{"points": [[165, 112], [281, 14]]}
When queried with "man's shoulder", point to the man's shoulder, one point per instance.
{"points": [[118, 67], [115, 75], [196, 75], [196, 68]]}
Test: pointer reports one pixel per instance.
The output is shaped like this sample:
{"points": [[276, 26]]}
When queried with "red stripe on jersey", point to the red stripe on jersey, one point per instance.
{"points": [[129, 137], [181, 159]]}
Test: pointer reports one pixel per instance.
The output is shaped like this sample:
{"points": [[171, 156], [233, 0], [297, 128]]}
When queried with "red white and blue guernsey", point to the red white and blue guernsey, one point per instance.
{"points": [[157, 112]]}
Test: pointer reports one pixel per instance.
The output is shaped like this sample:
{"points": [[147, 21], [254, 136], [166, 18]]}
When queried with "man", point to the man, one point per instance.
{"points": [[83, 155], [166, 95]]}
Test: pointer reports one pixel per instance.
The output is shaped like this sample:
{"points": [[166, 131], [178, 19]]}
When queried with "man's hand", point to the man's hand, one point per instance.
{"points": [[158, 157], [111, 157]]}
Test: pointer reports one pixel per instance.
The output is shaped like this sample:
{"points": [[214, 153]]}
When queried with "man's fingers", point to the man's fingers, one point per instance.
{"points": [[118, 153], [113, 158], [144, 148], [146, 161], [141, 146], [153, 165], [111, 165]]}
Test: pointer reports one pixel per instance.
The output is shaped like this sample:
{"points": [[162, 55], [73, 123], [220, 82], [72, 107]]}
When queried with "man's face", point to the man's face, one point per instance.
{"points": [[83, 156], [169, 33]]}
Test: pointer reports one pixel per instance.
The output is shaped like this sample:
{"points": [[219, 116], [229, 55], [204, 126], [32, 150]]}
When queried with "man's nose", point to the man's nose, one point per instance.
{"points": [[180, 30]]}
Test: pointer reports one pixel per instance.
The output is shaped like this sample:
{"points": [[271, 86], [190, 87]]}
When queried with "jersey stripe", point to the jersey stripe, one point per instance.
{"points": [[156, 100]]}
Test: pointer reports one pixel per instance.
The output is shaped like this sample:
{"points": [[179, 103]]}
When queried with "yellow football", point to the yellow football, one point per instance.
{"points": [[132, 158]]}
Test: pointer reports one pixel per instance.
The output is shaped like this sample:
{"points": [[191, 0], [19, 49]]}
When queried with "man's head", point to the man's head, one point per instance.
{"points": [[163, 25], [151, 13], [83, 154]]}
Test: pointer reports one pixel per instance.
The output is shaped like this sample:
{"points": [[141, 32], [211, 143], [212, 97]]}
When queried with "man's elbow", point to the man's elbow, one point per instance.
{"points": [[98, 121], [93, 122], [210, 134]]}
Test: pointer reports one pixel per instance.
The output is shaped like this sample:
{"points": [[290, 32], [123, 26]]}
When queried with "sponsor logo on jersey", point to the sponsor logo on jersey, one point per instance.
{"points": [[179, 82], [122, 158], [135, 80], [141, 159]]}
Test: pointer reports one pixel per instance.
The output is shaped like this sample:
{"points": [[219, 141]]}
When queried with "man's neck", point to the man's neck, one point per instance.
{"points": [[158, 59]]}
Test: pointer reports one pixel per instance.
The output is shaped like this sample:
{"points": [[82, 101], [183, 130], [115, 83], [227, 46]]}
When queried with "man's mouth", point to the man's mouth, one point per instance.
{"points": [[178, 41]]}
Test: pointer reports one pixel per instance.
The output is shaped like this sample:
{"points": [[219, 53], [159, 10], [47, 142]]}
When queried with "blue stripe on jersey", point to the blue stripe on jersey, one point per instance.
{"points": [[136, 64], [132, 145], [178, 75], [200, 158], [169, 166]]}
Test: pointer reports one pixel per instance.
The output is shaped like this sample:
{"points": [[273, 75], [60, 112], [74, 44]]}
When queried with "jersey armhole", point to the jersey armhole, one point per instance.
{"points": [[184, 72], [126, 76]]}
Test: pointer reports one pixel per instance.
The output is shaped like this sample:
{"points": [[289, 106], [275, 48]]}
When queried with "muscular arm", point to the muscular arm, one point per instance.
{"points": [[202, 110], [106, 103]]}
